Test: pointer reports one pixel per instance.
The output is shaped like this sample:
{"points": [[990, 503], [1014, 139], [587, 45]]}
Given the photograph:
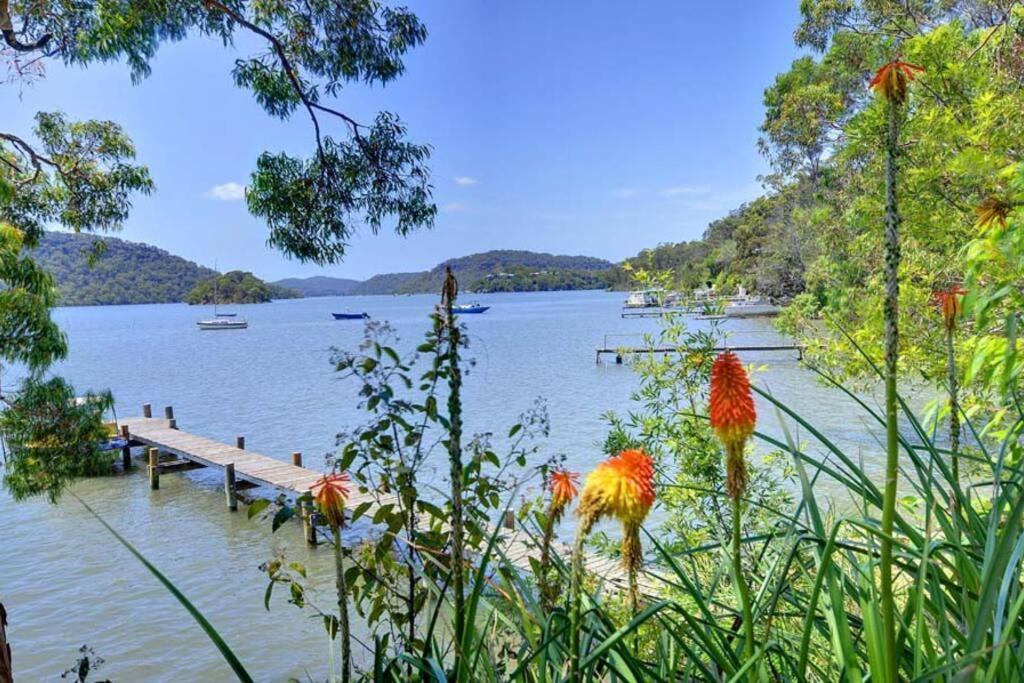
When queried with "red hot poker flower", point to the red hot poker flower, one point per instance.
{"points": [[564, 487], [950, 301], [733, 417], [330, 494], [993, 211], [892, 79], [622, 487]]}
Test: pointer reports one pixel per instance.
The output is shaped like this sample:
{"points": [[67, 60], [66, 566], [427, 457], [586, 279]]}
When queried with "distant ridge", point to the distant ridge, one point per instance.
{"points": [[137, 273], [489, 271], [320, 285]]}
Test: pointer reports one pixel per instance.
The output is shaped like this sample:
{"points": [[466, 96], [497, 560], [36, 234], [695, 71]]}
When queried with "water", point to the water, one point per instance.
{"points": [[66, 582]]}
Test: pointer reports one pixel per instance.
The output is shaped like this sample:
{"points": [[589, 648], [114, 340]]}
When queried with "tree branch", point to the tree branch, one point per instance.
{"points": [[11, 38], [311, 106]]}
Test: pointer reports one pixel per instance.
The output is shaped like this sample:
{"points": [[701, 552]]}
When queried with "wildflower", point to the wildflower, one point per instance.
{"points": [[564, 487], [950, 301], [733, 417], [330, 494], [891, 80], [622, 487], [993, 210]]}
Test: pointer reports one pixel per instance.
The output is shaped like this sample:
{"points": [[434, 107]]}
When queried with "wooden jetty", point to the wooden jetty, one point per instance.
{"points": [[621, 352], [169, 449], [649, 312]]}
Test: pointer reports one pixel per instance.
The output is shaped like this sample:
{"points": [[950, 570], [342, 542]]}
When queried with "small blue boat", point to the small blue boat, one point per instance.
{"points": [[351, 316], [461, 309]]}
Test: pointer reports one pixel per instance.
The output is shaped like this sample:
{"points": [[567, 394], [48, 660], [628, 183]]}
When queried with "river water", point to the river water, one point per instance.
{"points": [[65, 582]]}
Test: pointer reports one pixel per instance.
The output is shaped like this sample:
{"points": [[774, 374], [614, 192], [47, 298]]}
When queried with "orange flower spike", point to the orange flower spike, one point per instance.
{"points": [[733, 417], [622, 487], [993, 211], [330, 494], [892, 79], [564, 486], [950, 301]]}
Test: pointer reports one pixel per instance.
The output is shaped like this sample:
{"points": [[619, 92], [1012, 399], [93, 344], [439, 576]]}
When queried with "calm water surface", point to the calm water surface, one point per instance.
{"points": [[66, 582]]}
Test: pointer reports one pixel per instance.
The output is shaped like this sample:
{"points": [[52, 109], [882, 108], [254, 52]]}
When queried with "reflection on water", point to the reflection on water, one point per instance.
{"points": [[66, 582]]}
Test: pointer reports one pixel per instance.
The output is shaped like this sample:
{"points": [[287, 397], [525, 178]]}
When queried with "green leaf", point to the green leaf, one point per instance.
{"points": [[282, 516], [257, 507]]}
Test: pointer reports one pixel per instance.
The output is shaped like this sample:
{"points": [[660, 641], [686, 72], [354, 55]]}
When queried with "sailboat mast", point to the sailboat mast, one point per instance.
{"points": [[216, 278]]}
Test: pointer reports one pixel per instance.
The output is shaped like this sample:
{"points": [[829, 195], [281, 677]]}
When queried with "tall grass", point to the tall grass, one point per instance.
{"points": [[816, 608]]}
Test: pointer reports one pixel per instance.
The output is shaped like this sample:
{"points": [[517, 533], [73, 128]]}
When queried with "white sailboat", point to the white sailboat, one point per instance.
{"points": [[221, 321]]}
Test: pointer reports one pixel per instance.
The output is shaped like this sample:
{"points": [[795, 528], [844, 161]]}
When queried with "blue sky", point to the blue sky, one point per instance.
{"points": [[595, 128]]}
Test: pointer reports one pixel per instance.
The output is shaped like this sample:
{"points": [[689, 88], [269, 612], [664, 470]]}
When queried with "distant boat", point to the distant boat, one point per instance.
{"points": [[222, 324], [225, 315], [351, 316], [644, 298], [474, 307]]}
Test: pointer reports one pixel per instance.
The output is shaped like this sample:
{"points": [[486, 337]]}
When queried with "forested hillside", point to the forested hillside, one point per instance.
{"points": [[125, 273], [764, 245], [815, 237]]}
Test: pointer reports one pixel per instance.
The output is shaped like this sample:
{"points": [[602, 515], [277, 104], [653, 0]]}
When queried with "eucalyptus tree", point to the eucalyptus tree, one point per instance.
{"points": [[82, 176]]}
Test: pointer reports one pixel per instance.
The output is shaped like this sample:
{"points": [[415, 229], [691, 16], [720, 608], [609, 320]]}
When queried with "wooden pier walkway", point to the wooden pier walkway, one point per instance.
{"points": [[170, 449], [621, 352]]}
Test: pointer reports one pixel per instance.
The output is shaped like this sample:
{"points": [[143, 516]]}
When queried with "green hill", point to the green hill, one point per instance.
{"points": [[490, 271], [237, 287], [126, 273]]}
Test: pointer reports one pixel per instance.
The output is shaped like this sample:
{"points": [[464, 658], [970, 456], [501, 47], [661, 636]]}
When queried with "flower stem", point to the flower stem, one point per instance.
{"points": [[547, 594], [575, 617], [740, 580], [449, 293], [954, 407], [891, 315], [343, 626]]}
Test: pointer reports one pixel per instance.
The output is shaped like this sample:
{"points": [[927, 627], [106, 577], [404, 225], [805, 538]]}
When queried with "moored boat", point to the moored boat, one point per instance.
{"points": [[351, 316], [644, 298], [221, 321], [474, 307], [222, 324]]}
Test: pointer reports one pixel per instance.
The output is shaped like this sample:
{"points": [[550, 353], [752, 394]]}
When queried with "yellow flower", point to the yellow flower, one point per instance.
{"points": [[622, 487]]}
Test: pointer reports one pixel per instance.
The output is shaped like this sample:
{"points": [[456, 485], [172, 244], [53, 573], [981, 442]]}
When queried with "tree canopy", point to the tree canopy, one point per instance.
{"points": [[82, 176], [359, 173]]}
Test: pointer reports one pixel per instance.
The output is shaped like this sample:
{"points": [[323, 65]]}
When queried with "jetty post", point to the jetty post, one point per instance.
{"points": [[509, 522], [240, 443], [306, 512], [230, 492], [126, 449], [297, 459], [169, 412], [154, 469], [147, 410]]}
